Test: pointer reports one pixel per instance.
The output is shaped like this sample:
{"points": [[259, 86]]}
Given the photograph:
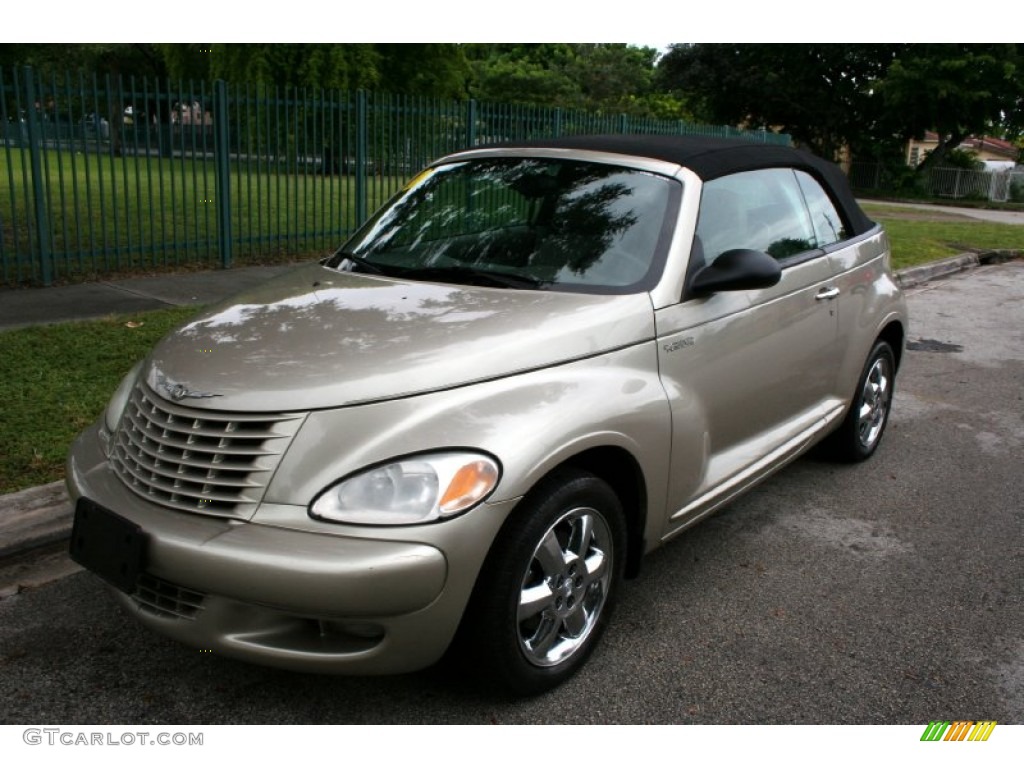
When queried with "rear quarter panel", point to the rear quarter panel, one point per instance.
{"points": [[869, 300]]}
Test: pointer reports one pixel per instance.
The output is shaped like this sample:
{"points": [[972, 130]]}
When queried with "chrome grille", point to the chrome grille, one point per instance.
{"points": [[209, 462], [162, 598]]}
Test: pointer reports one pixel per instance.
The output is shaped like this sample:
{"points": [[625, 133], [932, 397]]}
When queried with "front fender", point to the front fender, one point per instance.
{"points": [[531, 423]]}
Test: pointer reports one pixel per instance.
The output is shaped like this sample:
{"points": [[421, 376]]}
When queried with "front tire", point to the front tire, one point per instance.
{"points": [[548, 587], [858, 436]]}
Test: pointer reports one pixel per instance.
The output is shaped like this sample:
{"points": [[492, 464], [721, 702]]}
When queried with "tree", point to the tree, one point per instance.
{"points": [[296, 65], [424, 69], [522, 74], [956, 90], [139, 59], [819, 94], [868, 98], [186, 61], [612, 77], [605, 77]]}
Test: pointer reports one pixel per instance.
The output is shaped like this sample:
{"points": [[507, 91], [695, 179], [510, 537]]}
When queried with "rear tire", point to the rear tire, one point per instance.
{"points": [[545, 594], [858, 436]]}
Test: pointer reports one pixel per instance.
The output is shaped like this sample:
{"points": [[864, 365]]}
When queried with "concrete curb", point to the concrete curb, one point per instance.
{"points": [[913, 276], [34, 518], [37, 517]]}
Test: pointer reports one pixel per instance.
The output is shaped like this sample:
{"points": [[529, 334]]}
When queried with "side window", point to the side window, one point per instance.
{"points": [[828, 226], [763, 210]]}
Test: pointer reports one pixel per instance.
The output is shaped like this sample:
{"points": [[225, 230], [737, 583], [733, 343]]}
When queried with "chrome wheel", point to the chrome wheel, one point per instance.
{"points": [[861, 430], [875, 397], [548, 587], [565, 587]]}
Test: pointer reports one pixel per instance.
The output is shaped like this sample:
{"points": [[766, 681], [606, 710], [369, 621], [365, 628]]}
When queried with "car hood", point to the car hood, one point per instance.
{"points": [[318, 338]]}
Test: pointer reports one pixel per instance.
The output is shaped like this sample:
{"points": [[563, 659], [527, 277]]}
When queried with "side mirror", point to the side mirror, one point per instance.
{"points": [[740, 269]]}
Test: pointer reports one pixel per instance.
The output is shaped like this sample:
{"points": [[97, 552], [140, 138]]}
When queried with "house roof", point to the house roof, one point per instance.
{"points": [[981, 144]]}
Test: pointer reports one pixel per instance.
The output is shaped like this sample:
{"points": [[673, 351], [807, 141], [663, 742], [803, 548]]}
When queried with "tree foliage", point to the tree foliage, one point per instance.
{"points": [[869, 98], [296, 65], [956, 90], [606, 77], [820, 94], [427, 69], [138, 59], [613, 77], [609, 77], [521, 73], [424, 69]]}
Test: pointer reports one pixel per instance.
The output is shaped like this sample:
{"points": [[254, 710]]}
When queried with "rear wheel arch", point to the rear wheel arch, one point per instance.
{"points": [[894, 334]]}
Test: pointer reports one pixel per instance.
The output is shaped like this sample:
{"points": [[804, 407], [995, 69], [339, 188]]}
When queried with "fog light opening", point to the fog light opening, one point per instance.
{"points": [[360, 630]]}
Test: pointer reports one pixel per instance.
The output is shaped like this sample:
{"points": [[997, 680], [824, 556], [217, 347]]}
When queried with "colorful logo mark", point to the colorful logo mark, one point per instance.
{"points": [[958, 730]]}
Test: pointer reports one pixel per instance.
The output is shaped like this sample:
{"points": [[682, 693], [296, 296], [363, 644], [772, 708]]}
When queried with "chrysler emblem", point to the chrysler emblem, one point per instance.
{"points": [[180, 391]]}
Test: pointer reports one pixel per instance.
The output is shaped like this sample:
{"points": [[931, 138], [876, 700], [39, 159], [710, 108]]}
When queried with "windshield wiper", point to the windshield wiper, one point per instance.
{"points": [[364, 264], [471, 276]]}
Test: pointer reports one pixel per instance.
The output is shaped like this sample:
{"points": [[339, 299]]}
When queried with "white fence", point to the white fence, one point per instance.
{"points": [[955, 183]]}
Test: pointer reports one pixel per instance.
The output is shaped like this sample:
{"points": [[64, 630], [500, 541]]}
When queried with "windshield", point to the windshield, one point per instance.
{"points": [[522, 223]]}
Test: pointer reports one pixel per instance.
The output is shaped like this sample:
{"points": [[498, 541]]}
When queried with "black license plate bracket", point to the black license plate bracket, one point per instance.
{"points": [[108, 545]]}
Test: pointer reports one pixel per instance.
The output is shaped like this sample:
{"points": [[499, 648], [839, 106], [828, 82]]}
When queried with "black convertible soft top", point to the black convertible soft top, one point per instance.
{"points": [[711, 158]]}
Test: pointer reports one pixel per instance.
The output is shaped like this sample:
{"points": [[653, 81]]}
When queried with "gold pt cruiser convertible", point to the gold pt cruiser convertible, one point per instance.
{"points": [[460, 432]]}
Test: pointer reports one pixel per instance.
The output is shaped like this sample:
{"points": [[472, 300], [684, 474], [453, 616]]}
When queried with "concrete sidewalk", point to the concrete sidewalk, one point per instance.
{"points": [[38, 518], [996, 216], [23, 307]]}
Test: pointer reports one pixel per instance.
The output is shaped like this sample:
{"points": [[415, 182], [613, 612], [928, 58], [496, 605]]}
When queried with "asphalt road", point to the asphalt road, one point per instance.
{"points": [[888, 592]]}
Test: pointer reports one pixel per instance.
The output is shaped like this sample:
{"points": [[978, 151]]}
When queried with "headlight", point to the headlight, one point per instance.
{"points": [[120, 399], [416, 489]]}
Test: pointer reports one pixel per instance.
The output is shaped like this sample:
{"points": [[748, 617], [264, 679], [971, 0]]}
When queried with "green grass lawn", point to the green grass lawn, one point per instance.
{"points": [[918, 239], [56, 381]]}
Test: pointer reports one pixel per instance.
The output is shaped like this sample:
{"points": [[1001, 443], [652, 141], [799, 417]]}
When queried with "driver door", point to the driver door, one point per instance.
{"points": [[748, 373]]}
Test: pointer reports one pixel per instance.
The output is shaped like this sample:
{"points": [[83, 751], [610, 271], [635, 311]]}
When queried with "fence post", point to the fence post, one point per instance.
{"points": [[623, 124], [222, 169], [361, 130], [558, 122], [44, 247], [471, 123]]}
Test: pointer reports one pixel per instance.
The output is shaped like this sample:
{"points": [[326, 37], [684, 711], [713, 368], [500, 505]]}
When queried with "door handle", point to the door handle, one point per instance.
{"points": [[827, 293]]}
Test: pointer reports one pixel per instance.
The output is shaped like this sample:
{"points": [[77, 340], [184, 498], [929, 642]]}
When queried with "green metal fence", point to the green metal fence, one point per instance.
{"points": [[100, 175]]}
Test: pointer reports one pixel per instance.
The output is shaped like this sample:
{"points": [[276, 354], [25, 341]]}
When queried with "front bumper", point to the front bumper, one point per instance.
{"points": [[362, 601]]}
